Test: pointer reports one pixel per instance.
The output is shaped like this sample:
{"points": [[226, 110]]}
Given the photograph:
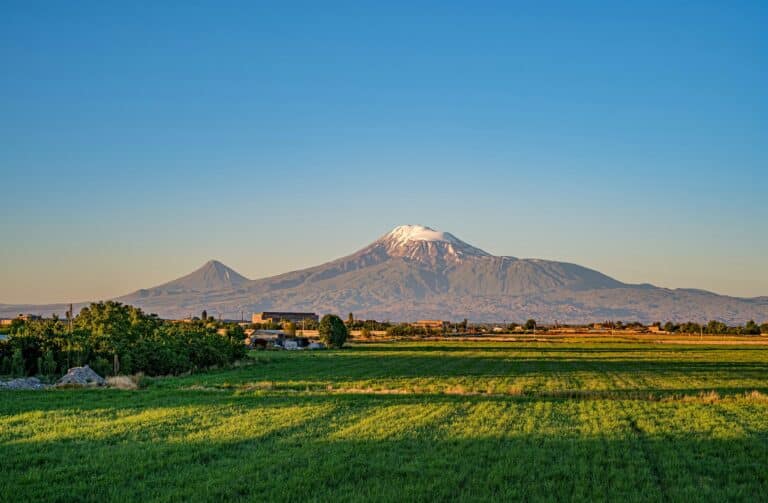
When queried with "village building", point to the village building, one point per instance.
{"points": [[278, 316], [430, 324], [21, 317]]}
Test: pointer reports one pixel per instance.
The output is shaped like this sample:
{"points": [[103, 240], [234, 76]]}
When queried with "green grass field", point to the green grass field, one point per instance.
{"points": [[409, 421]]}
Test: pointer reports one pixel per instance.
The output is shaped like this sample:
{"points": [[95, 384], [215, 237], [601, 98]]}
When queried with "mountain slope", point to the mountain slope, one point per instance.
{"points": [[416, 272], [211, 276]]}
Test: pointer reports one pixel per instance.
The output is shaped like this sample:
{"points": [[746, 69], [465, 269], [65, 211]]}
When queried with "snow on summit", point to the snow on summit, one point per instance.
{"points": [[405, 233], [420, 242]]}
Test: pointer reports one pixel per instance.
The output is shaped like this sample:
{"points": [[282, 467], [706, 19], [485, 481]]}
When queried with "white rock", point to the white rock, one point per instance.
{"points": [[81, 376]]}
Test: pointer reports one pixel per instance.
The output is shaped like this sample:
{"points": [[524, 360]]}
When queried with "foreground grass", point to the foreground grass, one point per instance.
{"points": [[436, 421]]}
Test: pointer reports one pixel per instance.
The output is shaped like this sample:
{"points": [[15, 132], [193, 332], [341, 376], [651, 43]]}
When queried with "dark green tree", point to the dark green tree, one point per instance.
{"points": [[5, 365], [716, 327], [48, 365], [751, 328], [332, 330], [17, 364], [530, 324]]}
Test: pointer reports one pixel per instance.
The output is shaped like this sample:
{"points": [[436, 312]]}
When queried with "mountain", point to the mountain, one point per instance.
{"points": [[212, 276], [188, 290], [415, 272]]}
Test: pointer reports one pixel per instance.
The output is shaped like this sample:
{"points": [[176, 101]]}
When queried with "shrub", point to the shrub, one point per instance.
{"points": [[101, 366], [143, 381], [332, 331]]}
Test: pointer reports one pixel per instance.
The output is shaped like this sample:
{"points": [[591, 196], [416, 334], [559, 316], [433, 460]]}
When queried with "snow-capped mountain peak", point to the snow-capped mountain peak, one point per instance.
{"points": [[404, 233], [424, 243]]}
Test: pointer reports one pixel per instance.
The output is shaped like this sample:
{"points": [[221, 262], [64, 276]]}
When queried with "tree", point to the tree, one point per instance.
{"points": [[332, 330], [530, 324], [365, 333], [16, 325], [17, 364], [351, 319], [108, 333], [751, 328], [48, 365], [204, 315], [716, 327], [764, 328], [5, 365], [690, 327], [289, 328]]}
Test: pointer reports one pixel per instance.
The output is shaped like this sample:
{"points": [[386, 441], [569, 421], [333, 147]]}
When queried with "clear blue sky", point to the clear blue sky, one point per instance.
{"points": [[139, 141]]}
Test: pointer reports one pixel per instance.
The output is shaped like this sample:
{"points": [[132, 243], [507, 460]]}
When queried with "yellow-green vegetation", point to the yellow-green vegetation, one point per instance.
{"points": [[408, 421]]}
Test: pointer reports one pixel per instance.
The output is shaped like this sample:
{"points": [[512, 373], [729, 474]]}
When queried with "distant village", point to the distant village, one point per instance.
{"points": [[298, 330]]}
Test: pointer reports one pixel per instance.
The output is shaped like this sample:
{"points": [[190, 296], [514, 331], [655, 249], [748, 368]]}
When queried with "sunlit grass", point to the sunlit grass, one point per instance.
{"points": [[432, 421]]}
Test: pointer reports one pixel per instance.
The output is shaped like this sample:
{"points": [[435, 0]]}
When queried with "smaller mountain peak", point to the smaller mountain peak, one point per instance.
{"points": [[217, 273]]}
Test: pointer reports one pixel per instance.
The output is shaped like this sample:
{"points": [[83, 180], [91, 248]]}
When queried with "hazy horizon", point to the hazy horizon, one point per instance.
{"points": [[141, 141], [160, 279]]}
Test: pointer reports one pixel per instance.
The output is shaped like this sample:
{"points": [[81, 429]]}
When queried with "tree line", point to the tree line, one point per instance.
{"points": [[115, 338], [715, 327]]}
